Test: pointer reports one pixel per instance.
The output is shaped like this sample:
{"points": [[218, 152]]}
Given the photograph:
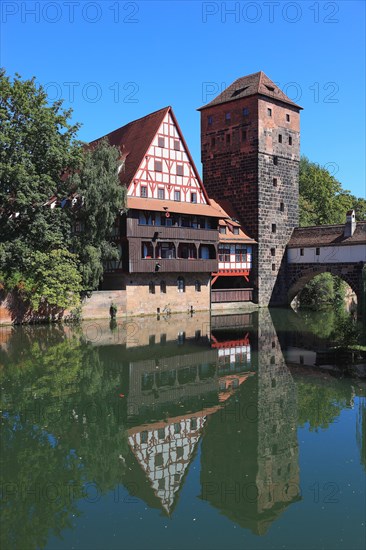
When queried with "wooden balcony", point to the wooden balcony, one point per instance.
{"points": [[174, 265], [147, 232], [231, 295]]}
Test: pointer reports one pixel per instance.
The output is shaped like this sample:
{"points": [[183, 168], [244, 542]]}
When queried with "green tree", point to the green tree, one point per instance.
{"points": [[41, 254]]}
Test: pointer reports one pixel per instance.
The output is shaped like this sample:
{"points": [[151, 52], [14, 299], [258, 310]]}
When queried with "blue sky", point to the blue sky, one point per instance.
{"points": [[116, 61]]}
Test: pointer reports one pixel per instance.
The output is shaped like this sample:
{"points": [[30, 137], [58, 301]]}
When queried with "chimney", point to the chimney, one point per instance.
{"points": [[350, 224]]}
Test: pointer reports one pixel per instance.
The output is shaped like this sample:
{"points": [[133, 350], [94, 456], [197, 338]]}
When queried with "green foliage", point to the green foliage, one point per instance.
{"points": [[103, 200], [40, 254], [322, 197], [322, 291]]}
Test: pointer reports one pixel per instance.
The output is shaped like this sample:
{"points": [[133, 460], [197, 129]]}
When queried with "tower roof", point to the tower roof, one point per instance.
{"points": [[256, 83]]}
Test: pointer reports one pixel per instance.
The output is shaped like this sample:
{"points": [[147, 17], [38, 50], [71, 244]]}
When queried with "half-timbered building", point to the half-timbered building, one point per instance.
{"points": [[169, 237]]}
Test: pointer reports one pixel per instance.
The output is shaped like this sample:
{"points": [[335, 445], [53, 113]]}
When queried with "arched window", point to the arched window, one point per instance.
{"points": [[197, 286], [152, 287], [181, 286], [163, 287]]}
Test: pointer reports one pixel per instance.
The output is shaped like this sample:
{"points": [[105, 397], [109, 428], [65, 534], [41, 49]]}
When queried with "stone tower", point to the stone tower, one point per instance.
{"points": [[250, 151]]}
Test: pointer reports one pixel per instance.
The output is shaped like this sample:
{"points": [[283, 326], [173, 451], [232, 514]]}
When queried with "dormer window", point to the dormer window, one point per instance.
{"points": [[222, 229], [236, 230]]}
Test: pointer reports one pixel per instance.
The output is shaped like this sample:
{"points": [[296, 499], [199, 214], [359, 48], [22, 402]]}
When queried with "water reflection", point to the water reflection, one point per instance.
{"points": [[89, 409]]}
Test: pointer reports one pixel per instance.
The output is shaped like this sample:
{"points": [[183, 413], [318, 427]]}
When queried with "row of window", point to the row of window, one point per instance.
{"points": [[161, 143], [181, 286], [161, 194], [245, 113], [223, 230], [158, 167], [317, 251], [243, 137], [185, 251], [174, 220]]}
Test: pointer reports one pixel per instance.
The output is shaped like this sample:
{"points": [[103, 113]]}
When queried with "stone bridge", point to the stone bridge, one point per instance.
{"points": [[336, 249]]}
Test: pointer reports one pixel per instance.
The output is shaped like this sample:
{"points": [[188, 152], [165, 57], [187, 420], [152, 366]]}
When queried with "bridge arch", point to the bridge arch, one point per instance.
{"points": [[300, 275]]}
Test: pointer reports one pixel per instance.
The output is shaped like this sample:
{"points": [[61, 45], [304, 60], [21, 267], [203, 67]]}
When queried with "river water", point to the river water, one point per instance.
{"points": [[182, 432]]}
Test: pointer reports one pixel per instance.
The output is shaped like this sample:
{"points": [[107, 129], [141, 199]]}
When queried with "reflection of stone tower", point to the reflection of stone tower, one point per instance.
{"points": [[250, 461], [250, 143], [278, 469]]}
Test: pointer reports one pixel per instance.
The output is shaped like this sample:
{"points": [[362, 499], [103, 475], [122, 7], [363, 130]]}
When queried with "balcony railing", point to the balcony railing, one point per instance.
{"points": [[174, 265]]}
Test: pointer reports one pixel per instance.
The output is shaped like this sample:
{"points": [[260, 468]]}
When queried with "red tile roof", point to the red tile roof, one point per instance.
{"points": [[159, 205], [229, 218], [326, 235], [133, 140], [256, 83]]}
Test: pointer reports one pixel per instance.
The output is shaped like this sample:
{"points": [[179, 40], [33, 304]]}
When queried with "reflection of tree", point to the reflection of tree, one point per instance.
{"points": [[361, 431], [320, 401], [62, 421]]}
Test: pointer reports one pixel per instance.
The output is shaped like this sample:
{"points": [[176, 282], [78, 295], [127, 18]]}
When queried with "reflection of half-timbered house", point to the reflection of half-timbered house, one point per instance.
{"points": [[168, 239]]}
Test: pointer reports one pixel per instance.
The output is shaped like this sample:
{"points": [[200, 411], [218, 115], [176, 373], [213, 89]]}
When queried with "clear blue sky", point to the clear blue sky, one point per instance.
{"points": [[116, 61]]}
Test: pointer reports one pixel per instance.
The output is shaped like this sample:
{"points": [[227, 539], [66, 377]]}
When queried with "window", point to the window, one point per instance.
{"points": [[275, 161], [177, 427], [222, 229], [317, 251], [180, 169], [282, 207], [274, 228], [177, 195], [194, 197], [151, 287], [274, 182], [240, 253], [193, 423], [144, 437], [181, 287], [287, 118], [243, 135], [213, 142], [209, 120], [273, 252], [158, 166], [279, 138], [197, 286], [227, 116], [161, 433], [289, 140], [273, 267], [163, 287], [245, 111], [301, 251], [161, 193], [180, 452], [165, 250], [161, 142], [159, 459], [143, 191], [177, 144], [147, 250], [227, 138], [236, 230], [224, 253], [269, 112]]}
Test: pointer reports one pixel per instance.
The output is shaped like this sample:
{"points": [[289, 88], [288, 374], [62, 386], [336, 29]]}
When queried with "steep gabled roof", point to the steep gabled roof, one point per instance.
{"points": [[256, 83], [133, 140]]}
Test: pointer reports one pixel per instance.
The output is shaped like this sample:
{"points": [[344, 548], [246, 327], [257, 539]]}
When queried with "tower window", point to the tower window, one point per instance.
{"points": [[243, 135], [282, 207], [274, 182], [179, 169], [287, 118], [227, 116], [280, 138], [274, 228], [275, 161], [213, 142], [177, 144], [143, 191], [245, 111], [227, 138], [273, 252], [161, 142], [209, 120], [317, 251], [290, 140], [273, 267], [269, 112], [158, 166]]}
